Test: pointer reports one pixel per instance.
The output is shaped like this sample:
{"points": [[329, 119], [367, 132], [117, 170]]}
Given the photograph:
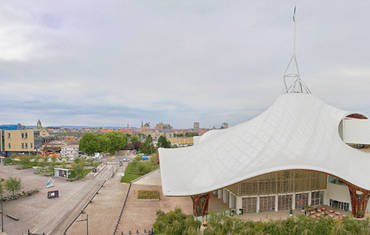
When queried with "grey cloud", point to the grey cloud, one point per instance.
{"points": [[105, 62]]}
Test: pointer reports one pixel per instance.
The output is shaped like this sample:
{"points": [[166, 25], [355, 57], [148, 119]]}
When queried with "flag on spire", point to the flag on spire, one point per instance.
{"points": [[294, 13]]}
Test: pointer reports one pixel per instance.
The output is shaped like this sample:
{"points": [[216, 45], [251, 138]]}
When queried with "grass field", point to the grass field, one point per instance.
{"points": [[138, 168]]}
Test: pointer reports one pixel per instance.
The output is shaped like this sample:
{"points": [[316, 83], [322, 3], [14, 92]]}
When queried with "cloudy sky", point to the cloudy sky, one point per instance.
{"points": [[113, 62]]}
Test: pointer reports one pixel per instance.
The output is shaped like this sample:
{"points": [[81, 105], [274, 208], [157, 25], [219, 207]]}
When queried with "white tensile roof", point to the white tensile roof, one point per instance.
{"points": [[298, 131]]}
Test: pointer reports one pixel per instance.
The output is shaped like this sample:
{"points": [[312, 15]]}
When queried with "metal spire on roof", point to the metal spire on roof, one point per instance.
{"points": [[294, 78]]}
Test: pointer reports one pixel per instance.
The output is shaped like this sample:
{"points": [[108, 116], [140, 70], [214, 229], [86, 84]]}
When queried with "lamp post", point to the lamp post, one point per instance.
{"points": [[2, 216], [87, 223]]}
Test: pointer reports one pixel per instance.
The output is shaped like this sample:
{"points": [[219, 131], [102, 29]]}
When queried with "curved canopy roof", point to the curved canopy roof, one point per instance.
{"points": [[298, 131]]}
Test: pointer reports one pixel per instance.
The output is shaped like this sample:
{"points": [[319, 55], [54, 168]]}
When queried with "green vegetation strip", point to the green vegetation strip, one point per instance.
{"points": [[142, 194], [138, 168], [175, 222]]}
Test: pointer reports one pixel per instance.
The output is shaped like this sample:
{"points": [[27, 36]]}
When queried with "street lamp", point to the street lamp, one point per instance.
{"points": [[87, 223]]}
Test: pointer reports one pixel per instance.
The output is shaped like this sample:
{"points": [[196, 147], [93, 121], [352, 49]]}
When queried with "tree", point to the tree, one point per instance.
{"points": [[135, 142], [134, 139], [147, 147], [78, 168], [103, 143], [118, 141], [13, 185], [89, 143], [163, 142]]}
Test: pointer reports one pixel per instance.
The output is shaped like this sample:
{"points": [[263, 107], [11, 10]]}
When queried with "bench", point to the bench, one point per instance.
{"points": [[12, 217]]}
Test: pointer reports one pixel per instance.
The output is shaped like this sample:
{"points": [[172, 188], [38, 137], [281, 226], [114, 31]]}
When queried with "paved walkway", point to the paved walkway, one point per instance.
{"points": [[152, 178], [104, 210], [140, 215], [37, 213]]}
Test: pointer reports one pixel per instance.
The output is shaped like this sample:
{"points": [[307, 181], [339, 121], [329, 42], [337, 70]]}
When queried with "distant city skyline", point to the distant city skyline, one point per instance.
{"points": [[109, 63]]}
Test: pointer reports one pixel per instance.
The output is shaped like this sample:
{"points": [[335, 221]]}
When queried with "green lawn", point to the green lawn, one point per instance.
{"points": [[142, 194], [138, 168]]}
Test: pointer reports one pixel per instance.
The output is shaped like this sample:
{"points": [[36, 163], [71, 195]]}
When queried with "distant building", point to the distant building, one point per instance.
{"points": [[181, 141], [145, 127], [163, 126], [224, 125], [39, 126], [196, 126], [18, 140], [70, 151]]}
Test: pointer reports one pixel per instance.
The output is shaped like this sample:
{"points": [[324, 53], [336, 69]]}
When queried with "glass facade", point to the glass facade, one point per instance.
{"points": [[301, 200], [285, 202], [288, 181], [333, 180], [340, 205], [317, 198], [267, 203], [249, 205]]}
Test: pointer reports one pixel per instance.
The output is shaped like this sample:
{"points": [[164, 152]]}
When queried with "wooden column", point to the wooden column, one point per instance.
{"points": [[358, 201], [200, 204]]}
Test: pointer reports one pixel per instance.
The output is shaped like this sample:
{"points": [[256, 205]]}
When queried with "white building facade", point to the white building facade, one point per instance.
{"points": [[70, 151], [290, 156]]}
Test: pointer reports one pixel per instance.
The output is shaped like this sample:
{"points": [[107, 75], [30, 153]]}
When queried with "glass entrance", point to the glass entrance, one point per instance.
{"points": [[285, 202], [267, 203], [249, 205], [301, 200]]}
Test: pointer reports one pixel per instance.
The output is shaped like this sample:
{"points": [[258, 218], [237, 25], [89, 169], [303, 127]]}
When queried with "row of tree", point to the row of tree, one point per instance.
{"points": [[187, 134], [108, 143], [175, 222]]}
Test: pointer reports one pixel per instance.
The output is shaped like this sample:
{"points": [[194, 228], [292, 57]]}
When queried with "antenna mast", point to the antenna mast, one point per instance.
{"points": [[297, 85]]}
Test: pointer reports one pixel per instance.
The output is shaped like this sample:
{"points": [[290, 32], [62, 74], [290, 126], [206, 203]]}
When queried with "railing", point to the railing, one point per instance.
{"points": [[123, 207], [88, 202]]}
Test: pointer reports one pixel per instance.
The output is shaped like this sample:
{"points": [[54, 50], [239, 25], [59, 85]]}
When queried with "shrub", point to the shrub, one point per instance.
{"points": [[175, 222], [13, 185]]}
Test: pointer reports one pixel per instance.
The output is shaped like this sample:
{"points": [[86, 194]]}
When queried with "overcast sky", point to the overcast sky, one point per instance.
{"points": [[113, 62]]}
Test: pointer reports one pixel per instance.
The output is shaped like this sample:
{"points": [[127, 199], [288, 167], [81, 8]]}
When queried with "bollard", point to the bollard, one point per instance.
{"points": [[137, 231]]}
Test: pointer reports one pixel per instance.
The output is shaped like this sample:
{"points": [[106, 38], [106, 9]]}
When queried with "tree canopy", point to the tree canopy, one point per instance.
{"points": [[96, 143], [163, 142], [147, 147], [135, 141]]}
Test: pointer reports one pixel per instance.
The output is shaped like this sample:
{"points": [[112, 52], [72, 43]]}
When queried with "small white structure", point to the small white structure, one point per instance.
{"points": [[70, 151], [62, 172]]}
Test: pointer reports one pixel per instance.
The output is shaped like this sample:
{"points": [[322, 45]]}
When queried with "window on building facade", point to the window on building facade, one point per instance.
{"points": [[317, 198], [22, 135], [9, 146], [301, 200], [22, 145], [31, 145], [333, 180], [26, 135], [9, 135], [26, 145], [340, 205], [283, 182]]}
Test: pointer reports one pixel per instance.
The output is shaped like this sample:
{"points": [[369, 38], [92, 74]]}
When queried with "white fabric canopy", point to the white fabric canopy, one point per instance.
{"points": [[298, 131]]}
